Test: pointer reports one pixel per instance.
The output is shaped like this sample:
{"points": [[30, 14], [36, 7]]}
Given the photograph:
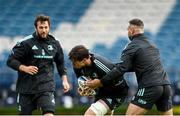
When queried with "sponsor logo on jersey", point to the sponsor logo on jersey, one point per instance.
{"points": [[43, 56], [34, 47], [141, 101]]}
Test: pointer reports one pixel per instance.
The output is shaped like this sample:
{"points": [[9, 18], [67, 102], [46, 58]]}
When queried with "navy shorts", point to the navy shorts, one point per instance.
{"points": [[29, 102], [161, 96], [112, 103]]}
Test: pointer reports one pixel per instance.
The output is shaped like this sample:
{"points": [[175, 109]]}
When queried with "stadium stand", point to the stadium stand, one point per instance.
{"points": [[98, 24]]}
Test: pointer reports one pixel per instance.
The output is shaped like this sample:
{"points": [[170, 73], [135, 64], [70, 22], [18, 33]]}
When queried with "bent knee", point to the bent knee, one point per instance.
{"points": [[98, 109]]}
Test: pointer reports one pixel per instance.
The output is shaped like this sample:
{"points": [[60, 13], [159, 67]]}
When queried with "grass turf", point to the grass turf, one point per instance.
{"points": [[79, 110]]}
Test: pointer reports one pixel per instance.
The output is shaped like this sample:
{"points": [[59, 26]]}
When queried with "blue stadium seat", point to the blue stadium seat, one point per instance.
{"points": [[17, 16]]}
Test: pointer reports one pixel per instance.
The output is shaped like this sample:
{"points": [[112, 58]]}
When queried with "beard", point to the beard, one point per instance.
{"points": [[42, 35]]}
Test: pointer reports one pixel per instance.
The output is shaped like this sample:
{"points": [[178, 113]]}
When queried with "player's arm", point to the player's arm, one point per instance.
{"points": [[17, 56], [117, 72], [125, 65], [65, 83], [78, 72], [80, 89], [59, 60]]}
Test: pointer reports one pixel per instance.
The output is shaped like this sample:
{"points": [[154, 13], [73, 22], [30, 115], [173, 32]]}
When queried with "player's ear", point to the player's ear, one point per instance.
{"points": [[35, 30], [84, 60]]}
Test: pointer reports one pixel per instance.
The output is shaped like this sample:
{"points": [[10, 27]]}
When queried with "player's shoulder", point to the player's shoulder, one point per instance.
{"points": [[53, 38], [134, 44], [25, 40], [103, 63], [98, 57]]}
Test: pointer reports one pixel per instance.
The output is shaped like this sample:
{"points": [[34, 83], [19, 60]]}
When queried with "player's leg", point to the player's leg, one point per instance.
{"points": [[97, 108], [46, 102], [105, 106], [25, 104], [144, 99], [135, 110], [169, 112], [164, 104]]}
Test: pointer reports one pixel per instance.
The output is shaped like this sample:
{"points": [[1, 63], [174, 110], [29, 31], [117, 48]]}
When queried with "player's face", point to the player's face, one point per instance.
{"points": [[42, 29], [78, 64]]}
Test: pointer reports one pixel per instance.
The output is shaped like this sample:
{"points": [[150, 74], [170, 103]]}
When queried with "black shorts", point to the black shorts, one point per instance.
{"points": [[113, 102], [113, 97], [29, 102], [161, 96]]}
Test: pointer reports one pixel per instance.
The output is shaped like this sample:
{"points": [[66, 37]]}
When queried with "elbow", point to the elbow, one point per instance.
{"points": [[13, 63]]}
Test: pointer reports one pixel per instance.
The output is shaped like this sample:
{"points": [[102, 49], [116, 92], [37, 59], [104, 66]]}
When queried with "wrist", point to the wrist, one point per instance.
{"points": [[21, 68], [64, 77], [100, 83]]}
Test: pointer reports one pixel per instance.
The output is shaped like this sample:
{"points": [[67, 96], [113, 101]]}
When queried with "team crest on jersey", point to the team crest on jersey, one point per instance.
{"points": [[50, 47], [94, 75]]}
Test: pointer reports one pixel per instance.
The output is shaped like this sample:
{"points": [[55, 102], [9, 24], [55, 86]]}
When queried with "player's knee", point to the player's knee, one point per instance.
{"points": [[89, 112], [169, 112], [98, 108], [48, 110], [48, 114]]}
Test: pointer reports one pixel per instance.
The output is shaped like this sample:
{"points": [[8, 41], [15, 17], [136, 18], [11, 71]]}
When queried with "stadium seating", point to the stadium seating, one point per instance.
{"points": [[99, 24]]}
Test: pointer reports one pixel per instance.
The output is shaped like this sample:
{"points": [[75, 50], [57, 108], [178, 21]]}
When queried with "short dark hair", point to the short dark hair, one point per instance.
{"points": [[41, 18], [78, 53], [137, 22]]}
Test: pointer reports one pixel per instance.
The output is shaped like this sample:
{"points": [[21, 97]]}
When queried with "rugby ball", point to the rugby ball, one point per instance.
{"points": [[81, 83]]}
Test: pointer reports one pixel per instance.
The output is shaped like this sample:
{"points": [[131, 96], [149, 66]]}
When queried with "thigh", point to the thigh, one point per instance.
{"points": [[164, 103], [26, 104], [99, 108], [46, 102], [147, 97], [135, 110]]}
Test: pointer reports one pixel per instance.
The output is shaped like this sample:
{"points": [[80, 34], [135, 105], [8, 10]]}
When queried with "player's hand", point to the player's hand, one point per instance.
{"points": [[65, 84], [32, 70], [95, 83]]}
